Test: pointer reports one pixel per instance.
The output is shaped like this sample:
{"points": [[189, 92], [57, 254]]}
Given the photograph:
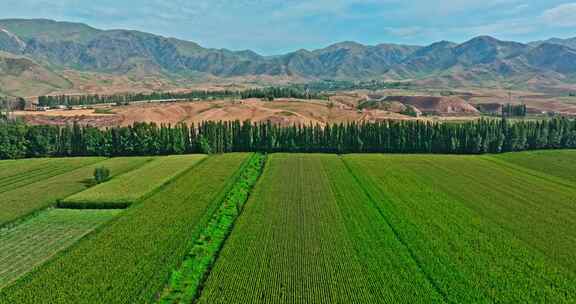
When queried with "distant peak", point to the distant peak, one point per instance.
{"points": [[443, 43], [483, 39], [346, 45]]}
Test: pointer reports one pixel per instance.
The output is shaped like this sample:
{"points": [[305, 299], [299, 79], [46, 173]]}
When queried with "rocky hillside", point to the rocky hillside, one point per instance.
{"points": [[422, 104], [571, 42], [79, 47], [20, 76]]}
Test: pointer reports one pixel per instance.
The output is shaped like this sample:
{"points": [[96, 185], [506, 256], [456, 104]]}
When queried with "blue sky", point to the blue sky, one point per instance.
{"points": [[278, 26]]}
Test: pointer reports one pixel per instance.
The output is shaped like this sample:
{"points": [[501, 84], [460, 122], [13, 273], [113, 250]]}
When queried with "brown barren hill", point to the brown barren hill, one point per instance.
{"points": [[285, 112], [436, 105]]}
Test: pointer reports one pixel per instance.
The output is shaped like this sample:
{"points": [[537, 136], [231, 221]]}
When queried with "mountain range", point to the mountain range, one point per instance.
{"points": [[38, 51]]}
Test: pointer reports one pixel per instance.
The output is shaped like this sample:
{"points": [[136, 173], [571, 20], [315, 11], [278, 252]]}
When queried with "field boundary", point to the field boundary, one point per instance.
{"points": [[37, 211], [77, 238], [187, 281], [159, 227], [441, 292], [91, 206], [101, 227]]}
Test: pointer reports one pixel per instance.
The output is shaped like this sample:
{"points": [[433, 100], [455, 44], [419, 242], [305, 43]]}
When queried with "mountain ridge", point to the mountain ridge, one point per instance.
{"points": [[66, 45]]}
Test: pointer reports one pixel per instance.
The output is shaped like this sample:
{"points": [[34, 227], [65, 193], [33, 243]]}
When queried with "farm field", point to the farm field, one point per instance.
{"points": [[558, 163], [451, 229], [132, 186], [30, 198], [34, 241], [479, 230], [130, 259], [317, 228], [302, 235], [16, 174]]}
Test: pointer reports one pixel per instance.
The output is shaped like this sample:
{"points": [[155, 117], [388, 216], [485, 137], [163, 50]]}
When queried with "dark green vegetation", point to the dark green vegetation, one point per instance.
{"points": [[399, 229], [130, 259], [11, 104], [76, 100], [475, 137], [132, 186], [344, 85], [29, 244], [510, 110], [50, 180], [185, 283], [266, 93], [101, 174]]}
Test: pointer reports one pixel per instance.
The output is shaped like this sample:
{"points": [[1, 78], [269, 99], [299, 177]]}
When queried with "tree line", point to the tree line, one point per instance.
{"points": [[121, 99], [281, 92], [511, 110], [343, 85], [8, 104], [18, 140]]}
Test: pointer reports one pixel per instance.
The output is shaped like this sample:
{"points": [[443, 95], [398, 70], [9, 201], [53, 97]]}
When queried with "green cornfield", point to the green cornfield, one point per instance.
{"points": [[29, 198], [26, 246], [128, 188], [17, 174], [308, 228], [557, 163], [399, 229], [130, 259]]}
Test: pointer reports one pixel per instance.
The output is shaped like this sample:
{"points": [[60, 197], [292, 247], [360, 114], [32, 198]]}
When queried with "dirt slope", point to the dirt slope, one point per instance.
{"points": [[281, 111], [436, 105]]}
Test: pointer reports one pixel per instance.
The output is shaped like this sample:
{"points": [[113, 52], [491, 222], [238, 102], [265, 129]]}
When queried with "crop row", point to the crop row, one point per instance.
{"points": [[130, 259], [128, 188], [22, 173], [559, 164], [299, 241], [399, 229], [534, 207], [26, 200], [12, 168], [476, 230], [186, 281], [32, 242]]}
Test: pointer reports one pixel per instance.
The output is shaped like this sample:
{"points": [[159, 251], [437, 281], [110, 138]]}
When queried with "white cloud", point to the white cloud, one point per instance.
{"points": [[563, 15]]}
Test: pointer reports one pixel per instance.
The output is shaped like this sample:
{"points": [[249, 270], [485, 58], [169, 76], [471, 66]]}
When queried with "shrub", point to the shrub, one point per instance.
{"points": [[101, 174]]}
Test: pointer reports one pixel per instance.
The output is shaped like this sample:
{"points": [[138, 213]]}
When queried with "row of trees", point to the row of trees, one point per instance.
{"points": [[8, 104], [278, 92], [18, 140], [265, 93], [75, 100], [343, 85], [511, 110]]}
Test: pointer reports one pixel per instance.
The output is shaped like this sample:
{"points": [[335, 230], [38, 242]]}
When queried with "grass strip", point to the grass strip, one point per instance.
{"points": [[18, 204], [130, 259], [186, 282]]}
